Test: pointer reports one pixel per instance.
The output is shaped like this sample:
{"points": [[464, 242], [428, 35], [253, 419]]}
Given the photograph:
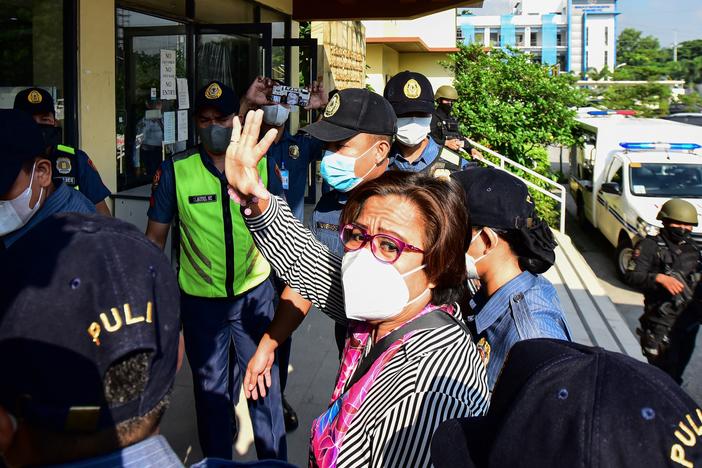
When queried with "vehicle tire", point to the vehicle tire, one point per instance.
{"points": [[580, 212], [624, 250]]}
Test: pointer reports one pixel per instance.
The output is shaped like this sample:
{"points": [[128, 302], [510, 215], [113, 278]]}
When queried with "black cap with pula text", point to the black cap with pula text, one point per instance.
{"points": [[81, 293]]}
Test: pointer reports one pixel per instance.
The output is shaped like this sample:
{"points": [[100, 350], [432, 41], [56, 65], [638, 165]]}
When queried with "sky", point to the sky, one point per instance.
{"points": [[659, 18]]}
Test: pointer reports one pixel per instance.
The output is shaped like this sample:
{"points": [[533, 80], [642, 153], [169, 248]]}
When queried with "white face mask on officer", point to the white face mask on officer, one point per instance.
{"points": [[16, 213], [412, 130], [275, 115], [472, 263], [374, 290]]}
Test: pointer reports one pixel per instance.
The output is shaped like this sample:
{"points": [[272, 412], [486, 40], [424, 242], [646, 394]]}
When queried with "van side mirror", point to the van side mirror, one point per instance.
{"points": [[611, 187]]}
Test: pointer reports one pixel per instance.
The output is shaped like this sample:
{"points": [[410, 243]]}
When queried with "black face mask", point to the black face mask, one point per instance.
{"points": [[215, 138], [677, 234], [53, 136], [446, 107]]}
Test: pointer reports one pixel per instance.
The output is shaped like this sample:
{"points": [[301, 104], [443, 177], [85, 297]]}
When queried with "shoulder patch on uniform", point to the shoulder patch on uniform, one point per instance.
{"points": [[156, 179]]}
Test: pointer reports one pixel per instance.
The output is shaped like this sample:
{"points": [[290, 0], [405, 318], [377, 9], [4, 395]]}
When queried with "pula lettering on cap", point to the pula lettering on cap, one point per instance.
{"points": [[687, 433], [34, 97], [332, 106], [213, 91], [412, 89], [95, 329]]}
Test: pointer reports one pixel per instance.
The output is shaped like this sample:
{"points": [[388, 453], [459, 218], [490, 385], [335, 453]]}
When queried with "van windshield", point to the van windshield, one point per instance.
{"points": [[666, 180]]}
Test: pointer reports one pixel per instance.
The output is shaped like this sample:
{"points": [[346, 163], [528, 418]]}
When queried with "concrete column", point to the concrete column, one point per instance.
{"points": [[486, 37], [96, 87]]}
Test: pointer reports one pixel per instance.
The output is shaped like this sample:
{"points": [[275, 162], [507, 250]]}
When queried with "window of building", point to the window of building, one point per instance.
{"points": [[606, 35], [534, 39], [587, 36], [560, 39], [479, 37], [606, 58], [495, 39], [34, 52]]}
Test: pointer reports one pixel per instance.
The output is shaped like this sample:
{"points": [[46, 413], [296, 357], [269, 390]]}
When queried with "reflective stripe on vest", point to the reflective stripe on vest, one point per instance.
{"points": [[445, 163], [218, 257]]}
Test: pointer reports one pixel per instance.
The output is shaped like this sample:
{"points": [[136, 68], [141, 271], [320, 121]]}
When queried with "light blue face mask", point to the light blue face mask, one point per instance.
{"points": [[338, 170]]}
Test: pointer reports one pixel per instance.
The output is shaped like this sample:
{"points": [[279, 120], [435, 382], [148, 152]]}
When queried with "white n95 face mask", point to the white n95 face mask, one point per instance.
{"points": [[374, 290], [471, 263], [16, 213], [412, 130], [275, 115]]}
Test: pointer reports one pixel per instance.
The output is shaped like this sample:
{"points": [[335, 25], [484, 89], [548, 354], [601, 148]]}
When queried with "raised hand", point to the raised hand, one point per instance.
{"points": [[260, 91], [242, 158], [318, 96]]}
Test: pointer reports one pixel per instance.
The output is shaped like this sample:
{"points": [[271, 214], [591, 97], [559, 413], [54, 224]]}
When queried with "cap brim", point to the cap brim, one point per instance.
{"points": [[8, 175], [328, 132], [464, 442]]}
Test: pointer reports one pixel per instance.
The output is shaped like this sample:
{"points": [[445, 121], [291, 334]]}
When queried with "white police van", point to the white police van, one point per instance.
{"points": [[627, 168]]}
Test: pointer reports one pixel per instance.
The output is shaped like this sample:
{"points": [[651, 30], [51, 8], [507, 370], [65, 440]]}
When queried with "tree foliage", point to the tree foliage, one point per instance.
{"points": [[513, 103], [649, 100], [517, 107]]}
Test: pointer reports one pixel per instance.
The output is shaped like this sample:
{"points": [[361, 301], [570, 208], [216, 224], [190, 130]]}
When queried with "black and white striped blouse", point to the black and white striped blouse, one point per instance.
{"points": [[437, 375]]}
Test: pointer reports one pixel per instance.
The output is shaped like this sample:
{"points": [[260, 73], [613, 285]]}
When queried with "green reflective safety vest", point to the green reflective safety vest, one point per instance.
{"points": [[218, 257]]}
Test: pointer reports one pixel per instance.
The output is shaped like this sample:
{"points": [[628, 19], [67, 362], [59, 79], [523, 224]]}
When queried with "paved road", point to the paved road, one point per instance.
{"points": [[599, 253]]}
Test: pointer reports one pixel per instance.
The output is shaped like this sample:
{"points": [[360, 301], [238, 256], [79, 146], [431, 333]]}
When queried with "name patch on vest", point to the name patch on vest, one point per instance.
{"points": [[195, 199]]}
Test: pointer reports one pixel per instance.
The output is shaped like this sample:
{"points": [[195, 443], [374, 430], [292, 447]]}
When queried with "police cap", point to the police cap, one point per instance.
{"points": [[410, 92], [352, 111], [81, 293], [22, 141], [678, 210], [217, 95], [34, 101]]}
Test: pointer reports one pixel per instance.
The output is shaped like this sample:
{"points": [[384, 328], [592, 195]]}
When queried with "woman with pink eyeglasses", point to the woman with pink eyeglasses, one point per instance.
{"points": [[409, 362]]}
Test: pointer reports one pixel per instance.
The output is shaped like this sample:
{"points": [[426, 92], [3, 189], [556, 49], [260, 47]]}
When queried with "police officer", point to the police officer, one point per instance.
{"points": [[510, 247], [71, 165], [227, 296], [444, 126], [28, 192], [666, 267], [412, 98]]}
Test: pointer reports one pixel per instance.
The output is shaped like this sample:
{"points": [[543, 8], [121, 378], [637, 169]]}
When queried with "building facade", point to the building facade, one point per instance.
{"points": [[575, 35], [419, 45]]}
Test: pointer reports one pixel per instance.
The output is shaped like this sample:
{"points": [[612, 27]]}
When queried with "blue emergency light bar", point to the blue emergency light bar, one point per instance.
{"points": [[611, 112], [660, 146]]}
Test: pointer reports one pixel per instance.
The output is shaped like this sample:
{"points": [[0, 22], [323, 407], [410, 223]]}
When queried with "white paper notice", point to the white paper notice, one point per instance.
{"points": [[182, 125], [168, 74], [183, 97], [169, 127]]}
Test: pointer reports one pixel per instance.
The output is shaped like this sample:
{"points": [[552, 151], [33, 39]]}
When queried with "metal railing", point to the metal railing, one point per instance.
{"points": [[505, 161]]}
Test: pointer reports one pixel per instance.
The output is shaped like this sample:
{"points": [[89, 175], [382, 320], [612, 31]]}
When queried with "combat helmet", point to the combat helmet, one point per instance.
{"points": [[678, 210], [446, 92]]}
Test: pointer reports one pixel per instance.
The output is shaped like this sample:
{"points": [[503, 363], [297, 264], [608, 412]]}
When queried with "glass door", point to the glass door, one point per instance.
{"points": [[149, 63], [233, 54]]}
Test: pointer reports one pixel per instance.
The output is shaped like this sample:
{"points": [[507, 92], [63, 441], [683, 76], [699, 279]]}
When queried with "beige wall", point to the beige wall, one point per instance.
{"points": [[383, 63], [428, 65], [284, 6], [437, 30], [96, 91]]}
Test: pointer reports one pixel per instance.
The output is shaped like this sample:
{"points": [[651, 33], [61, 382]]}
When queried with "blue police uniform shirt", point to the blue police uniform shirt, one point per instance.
{"points": [[63, 200], [279, 156], [430, 153], [152, 452], [88, 179], [325, 220], [526, 307]]}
